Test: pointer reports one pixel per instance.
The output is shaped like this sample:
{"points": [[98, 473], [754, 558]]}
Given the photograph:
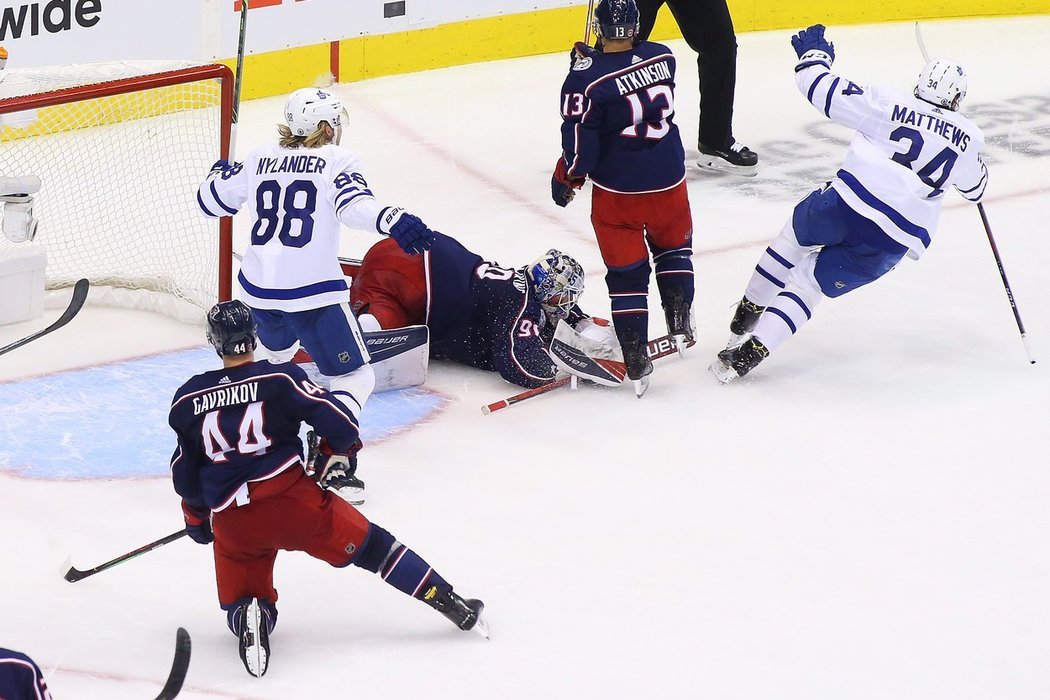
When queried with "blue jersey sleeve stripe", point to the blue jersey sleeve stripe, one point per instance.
{"points": [[878, 205], [982, 181], [204, 208], [831, 93], [219, 201], [339, 205], [813, 87], [809, 64], [294, 292]]}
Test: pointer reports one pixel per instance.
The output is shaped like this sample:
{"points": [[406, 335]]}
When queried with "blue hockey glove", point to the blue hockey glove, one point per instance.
{"points": [[409, 231], [198, 523], [812, 39], [563, 187]]}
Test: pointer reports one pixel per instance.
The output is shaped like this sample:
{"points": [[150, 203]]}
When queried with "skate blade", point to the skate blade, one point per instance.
{"points": [[354, 495], [482, 627], [723, 373], [255, 657], [714, 164], [640, 386], [735, 340], [681, 342]]}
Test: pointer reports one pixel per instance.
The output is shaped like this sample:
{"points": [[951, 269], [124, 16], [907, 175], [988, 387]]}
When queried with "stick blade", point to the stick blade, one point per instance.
{"points": [[180, 665], [70, 572]]}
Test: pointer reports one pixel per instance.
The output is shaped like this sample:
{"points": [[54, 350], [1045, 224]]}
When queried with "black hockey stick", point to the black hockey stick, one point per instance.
{"points": [[237, 77], [179, 666], [657, 348], [74, 574], [1006, 283], [80, 292]]}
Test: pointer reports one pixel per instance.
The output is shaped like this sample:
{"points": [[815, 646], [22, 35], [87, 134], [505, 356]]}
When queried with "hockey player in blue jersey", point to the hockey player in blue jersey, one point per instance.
{"points": [[480, 314], [883, 204], [20, 678], [618, 130], [238, 466], [298, 192]]}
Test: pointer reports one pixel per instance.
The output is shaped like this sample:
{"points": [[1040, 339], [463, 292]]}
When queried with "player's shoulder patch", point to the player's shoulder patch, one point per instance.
{"points": [[519, 280], [583, 64]]}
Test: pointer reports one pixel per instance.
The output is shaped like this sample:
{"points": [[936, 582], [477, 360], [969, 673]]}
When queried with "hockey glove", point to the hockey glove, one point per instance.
{"points": [[563, 187], [409, 231], [579, 51], [198, 523], [336, 470], [810, 45]]}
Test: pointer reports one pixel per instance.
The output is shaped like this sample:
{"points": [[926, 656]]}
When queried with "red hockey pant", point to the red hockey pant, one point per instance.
{"points": [[391, 285], [289, 512], [623, 221]]}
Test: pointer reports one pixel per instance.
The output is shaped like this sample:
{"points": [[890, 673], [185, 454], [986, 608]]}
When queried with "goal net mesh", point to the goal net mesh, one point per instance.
{"points": [[119, 175]]}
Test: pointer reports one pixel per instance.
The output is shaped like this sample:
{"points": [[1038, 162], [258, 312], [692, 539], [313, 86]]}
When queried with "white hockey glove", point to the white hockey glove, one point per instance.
{"points": [[19, 224], [595, 359]]}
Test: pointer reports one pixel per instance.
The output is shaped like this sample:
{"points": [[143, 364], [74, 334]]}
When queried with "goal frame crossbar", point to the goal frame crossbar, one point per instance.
{"points": [[151, 81]]}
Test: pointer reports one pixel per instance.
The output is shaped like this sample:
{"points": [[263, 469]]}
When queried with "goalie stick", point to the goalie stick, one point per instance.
{"points": [[80, 292], [179, 666], [74, 574], [658, 347]]}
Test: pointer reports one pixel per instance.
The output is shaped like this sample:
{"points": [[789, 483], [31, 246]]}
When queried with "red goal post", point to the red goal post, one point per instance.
{"points": [[120, 150]]}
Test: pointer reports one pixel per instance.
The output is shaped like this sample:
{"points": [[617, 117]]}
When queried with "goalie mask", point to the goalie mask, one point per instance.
{"points": [[616, 19], [231, 328], [558, 281], [942, 83], [307, 108]]}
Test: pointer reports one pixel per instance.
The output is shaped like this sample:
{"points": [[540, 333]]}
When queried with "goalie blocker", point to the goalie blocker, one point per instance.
{"points": [[399, 356]]}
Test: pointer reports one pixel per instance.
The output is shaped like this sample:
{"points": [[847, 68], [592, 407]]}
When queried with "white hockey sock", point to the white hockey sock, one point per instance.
{"points": [[791, 308], [369, 323], [276, 356], [775, 266], [353, 389]]}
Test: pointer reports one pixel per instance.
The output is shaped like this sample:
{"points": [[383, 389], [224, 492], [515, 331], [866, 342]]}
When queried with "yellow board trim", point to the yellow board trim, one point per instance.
{"points": [[551, 31]]}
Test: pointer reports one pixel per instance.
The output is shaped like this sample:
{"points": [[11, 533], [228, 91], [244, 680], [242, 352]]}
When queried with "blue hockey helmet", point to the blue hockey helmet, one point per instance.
{"points": [[616, 19], [558, 281], [231, 328]]}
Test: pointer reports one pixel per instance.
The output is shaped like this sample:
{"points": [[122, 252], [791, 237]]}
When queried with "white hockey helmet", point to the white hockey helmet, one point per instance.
{"points": [[558, 280], [308, 107], [942, 83]]}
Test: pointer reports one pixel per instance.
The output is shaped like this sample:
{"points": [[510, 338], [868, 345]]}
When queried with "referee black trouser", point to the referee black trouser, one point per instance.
{"points": [[708, 29]]}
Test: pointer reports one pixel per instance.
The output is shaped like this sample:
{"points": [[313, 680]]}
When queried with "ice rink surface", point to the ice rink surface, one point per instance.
{"points": [[864, 517]]}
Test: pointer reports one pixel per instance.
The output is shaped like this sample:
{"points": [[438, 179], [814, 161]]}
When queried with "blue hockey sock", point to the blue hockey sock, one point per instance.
{"points": [[629, 297], [399, 566], [674, 270]]}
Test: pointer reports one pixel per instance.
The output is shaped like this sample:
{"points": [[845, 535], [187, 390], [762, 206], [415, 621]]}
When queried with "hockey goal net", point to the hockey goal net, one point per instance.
{"points": [[120, 150]]}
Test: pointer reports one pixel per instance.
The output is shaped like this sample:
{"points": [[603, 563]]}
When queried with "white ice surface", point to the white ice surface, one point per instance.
{"points": [[866, 517]]}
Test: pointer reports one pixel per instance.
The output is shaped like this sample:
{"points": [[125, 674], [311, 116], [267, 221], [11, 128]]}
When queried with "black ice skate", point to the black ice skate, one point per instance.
{"points": [[744, 320], [253, 637], [738, 159], [464, 613], [735, 362], [679, 317], [349, 487], [636, 357]]}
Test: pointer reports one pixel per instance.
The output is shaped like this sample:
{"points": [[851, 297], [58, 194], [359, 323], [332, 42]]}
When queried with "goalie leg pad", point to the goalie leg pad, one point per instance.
{"points": [[399, 356], [596, 360]]}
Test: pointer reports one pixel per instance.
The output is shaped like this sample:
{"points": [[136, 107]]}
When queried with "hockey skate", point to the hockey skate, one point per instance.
{"points": [[253, 637], [464, 613], [744, 320], [738, 159], [680, 322], [735, 362], [636, 357], [350, 488]]}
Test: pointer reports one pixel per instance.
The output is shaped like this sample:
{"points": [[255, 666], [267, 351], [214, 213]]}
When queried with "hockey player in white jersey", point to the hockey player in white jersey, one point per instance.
{"points": [[298, 192], [884, 202]]}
